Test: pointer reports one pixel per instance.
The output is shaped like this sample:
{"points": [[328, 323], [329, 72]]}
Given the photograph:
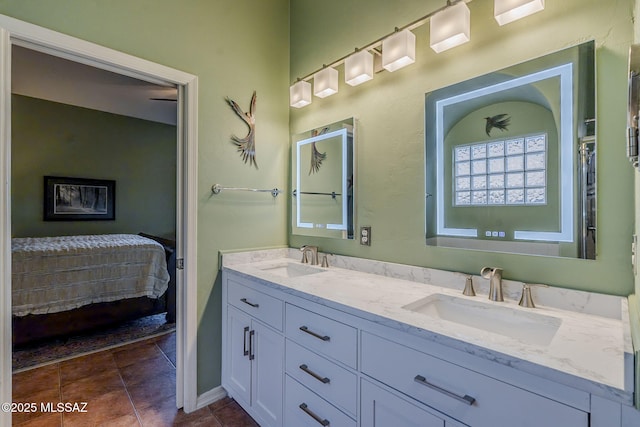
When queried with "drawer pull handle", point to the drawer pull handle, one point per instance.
{"points": [[244, 300], [251, 349], [306, 369], [244, 341], [313, 415], [320, 337], [466, 399]]}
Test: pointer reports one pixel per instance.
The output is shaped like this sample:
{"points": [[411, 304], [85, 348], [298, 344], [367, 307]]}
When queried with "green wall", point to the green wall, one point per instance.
{"points": [[234, 47], [390, 114], [49, 138]]}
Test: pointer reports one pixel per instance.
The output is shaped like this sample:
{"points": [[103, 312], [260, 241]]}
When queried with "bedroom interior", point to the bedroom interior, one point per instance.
{"points": [[92, 124]]}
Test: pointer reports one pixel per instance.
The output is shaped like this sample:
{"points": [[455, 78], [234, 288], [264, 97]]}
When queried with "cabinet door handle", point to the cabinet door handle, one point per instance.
{"points": [[314, 334], [244, 300], [306, 369], [466, 399], [313, 415], [251, 349], [244, 341]]}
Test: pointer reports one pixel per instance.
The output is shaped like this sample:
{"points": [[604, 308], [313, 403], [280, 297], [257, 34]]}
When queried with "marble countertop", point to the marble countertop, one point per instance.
{"points": [[591, 349]]}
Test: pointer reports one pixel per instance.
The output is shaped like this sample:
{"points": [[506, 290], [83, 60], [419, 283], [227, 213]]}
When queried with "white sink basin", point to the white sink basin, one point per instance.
{"points": [[291, 269], [523, 325]]}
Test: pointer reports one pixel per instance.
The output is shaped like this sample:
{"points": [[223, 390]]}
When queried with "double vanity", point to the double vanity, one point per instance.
{"points": [[370, 343]]}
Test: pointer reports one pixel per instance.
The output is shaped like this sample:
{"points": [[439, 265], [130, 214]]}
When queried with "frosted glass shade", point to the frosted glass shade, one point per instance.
{"points": [[398, 50], [325, 82], [450, 27], [300, 94], [358, 68], [507, 11]]}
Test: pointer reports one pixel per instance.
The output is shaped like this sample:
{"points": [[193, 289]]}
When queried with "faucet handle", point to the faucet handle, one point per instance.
{"points": [[526, 300], [468, 287], [325, 261]]}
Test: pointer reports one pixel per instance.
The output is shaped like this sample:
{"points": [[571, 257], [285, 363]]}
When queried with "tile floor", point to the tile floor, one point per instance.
{"points": [[132, 385]]}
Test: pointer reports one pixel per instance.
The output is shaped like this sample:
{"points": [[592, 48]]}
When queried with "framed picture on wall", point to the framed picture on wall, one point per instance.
{"points": [[79, 199]]}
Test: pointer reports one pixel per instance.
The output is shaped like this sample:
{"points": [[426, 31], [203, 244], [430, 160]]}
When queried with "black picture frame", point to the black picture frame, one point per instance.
{"points": [[79, 199]]}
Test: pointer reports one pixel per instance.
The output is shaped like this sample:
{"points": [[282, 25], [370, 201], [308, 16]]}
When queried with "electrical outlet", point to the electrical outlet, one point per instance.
{"points": [[365, 236]]}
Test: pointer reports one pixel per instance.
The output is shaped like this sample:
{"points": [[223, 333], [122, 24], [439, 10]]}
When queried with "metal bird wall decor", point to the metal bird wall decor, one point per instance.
{"points": [[316, 156], [499, 121], [247, 145]]}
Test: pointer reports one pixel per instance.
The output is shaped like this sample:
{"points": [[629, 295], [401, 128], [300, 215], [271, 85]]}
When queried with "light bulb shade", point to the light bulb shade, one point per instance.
{"points": [[300, 94], [450, 27], [398, 50], [358, 68], [507, 11], [325, 82]]}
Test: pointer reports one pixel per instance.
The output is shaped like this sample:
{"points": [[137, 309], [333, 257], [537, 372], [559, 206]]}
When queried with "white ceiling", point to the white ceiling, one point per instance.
{"points": [[48, 77]]}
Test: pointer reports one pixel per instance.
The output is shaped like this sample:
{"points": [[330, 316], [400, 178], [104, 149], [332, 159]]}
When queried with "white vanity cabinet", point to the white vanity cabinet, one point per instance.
{"points": [[253, 354], [291, 360]]}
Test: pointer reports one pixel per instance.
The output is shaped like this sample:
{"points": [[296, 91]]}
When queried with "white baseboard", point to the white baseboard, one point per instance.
{"points": [[210, 397]]}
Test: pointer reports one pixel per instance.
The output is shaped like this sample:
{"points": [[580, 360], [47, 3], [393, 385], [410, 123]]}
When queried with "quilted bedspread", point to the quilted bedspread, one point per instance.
{"points": [[52, 274]]}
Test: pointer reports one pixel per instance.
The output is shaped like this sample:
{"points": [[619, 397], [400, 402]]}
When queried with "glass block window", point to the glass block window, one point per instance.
{"points": [[510, 172]]}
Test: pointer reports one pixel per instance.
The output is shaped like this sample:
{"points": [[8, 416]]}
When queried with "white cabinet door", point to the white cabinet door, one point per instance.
{"points": [[268, 372], [381, 409], [238, 335]]}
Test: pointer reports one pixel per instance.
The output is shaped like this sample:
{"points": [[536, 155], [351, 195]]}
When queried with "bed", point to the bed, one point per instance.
{"points": [[70, 284]]}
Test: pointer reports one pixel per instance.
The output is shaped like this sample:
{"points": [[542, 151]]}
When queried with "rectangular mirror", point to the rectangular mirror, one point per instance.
{"points": [[510, 159], [323, 163]]}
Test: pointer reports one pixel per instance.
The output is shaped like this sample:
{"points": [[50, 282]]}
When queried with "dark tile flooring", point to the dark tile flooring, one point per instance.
{"points": [[131, 385]]}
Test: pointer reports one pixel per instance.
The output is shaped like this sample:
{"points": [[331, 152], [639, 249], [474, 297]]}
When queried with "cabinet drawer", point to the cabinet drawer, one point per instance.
{"points": [[337, 385], [260, 306], [319, 333], [304, 408], [463, 394]]}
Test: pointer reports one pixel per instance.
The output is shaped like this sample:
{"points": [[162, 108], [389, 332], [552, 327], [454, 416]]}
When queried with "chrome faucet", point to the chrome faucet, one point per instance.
{"points": [[495, 282], [309, 250]]}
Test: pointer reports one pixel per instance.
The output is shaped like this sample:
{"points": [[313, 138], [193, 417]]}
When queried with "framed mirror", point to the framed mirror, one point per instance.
{"points": [[510, 159], [322, 175]]}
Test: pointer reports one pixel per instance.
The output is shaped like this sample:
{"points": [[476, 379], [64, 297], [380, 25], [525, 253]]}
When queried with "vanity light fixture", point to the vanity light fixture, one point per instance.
{"points": [[300, 94], [450, 27], [506, 11], [358, 68], [325, 82], [398, 50]]}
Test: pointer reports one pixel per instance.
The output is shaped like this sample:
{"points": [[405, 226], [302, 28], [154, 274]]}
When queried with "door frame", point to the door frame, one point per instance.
{"points": [[20, 33]]}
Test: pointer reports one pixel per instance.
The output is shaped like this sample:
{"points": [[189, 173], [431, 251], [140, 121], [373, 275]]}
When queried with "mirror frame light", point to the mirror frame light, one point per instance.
{"points": [[565, 73], [343, 133]]}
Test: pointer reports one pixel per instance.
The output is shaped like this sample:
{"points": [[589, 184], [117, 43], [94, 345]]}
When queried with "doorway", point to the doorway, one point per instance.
{"points": [[17, 33]]}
